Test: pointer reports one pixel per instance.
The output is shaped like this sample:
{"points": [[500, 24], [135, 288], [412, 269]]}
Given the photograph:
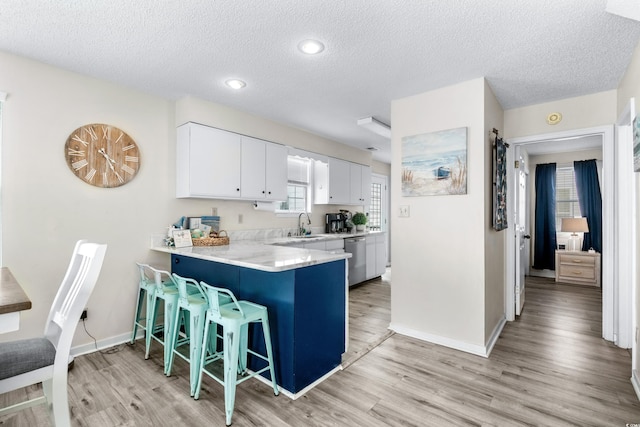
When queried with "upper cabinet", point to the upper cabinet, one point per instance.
{"points": [[213, 163], [341, 183], [263, 170], [207, 162], [360, 193]]}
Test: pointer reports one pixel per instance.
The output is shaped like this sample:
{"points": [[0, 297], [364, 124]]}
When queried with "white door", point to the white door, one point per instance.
{"points": [[521, 234]]}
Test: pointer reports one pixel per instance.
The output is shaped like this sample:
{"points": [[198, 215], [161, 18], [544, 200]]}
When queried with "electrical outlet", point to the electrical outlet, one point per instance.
{"points": [[214, 211], [84, 314], [239, 218], [404, 211]]}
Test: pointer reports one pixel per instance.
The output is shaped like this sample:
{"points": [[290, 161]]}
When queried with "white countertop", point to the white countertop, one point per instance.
{"points": [[317, 237], [257, 255]]}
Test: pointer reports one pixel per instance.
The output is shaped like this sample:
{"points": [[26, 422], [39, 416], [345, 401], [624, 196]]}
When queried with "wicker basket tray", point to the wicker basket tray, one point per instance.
{"points": [[212, 241]]}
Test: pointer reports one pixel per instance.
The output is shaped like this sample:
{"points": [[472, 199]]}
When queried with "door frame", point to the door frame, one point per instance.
{"points": [[609, 237], [385, 209]]}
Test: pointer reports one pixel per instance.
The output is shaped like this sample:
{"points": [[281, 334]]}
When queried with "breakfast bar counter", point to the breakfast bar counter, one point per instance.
{"points": [[305, 292], [13, 300]]}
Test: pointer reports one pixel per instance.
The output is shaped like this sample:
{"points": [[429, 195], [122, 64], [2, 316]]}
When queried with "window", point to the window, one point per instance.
{"points": [[375, 208], [298, 188], [567, 204]]}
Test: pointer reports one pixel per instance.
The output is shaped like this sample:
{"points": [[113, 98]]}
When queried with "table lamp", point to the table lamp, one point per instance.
{"points": [[574, 226]]}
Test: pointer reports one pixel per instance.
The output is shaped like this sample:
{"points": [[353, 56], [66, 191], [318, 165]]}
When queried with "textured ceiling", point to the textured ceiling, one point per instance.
{"points": [[376, 51]]}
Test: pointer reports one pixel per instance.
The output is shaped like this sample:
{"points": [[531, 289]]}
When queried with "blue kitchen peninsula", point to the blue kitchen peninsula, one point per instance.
{"points": [[304, 290]]}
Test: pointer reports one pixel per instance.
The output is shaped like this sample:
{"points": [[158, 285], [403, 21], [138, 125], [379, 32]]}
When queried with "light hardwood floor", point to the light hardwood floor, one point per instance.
{"points": [[548, 368]]}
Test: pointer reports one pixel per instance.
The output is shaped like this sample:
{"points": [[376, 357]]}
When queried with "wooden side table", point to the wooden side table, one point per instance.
{"points": [[582, 268]]}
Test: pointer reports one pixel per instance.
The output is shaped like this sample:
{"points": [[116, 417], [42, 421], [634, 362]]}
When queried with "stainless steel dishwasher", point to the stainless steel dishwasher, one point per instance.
{"points": [[357, 263]]}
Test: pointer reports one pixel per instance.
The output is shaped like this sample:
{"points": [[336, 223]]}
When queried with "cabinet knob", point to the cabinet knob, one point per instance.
{"points": [[262, 191], [176, 260], [237, 189], [269, 192]]}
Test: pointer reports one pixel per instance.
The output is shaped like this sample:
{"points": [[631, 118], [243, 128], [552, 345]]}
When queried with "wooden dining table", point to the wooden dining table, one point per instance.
{"points": [[13, 300]]}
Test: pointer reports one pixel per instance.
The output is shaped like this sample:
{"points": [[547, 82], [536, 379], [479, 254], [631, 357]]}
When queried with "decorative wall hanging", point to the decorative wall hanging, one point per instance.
{"points": [[499, 183], [435, 163], [636, 144]]}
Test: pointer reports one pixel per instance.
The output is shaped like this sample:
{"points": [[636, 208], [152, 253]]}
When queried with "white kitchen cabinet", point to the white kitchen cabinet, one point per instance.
{"points": [[381, 254], [263, 170], [214, 163], [370, 243], [207, 162], [341, 183], [338, 181], [360, 184], [321, 245], [376, 255]]}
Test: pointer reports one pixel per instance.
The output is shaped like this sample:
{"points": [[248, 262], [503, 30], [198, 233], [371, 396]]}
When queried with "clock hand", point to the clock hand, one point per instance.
{"points": [[110, 162]]}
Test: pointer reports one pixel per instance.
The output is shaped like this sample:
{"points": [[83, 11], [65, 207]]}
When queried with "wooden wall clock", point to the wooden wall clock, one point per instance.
{"points": [[102, 155]]}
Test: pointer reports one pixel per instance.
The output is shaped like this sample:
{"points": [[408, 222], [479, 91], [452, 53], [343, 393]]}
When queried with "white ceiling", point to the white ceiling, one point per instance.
{"points": [[376, 51]]}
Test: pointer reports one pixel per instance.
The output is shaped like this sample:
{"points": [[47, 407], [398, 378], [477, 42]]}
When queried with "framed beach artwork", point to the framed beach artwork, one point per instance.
{"points": [[636, 144], [435, 163]]}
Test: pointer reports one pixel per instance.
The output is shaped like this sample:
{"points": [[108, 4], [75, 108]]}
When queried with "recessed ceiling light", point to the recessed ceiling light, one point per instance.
{"points": [[311, 47], [235, 83]]}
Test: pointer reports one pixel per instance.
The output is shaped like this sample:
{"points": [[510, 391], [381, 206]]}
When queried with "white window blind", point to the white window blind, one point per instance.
{"points": [[298, 170], [567, 203], [298, 187]]}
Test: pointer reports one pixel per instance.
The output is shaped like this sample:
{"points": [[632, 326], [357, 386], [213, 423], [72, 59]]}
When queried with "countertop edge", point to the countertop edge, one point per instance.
{"points": [[314, 257]]}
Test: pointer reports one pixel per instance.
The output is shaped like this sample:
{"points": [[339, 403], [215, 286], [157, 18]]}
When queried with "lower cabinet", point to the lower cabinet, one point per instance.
{"points": [[376, 250]]}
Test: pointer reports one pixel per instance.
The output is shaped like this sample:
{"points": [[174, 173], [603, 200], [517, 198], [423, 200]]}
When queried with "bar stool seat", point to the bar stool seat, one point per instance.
{"points": [[234, 317], [156, 285]]}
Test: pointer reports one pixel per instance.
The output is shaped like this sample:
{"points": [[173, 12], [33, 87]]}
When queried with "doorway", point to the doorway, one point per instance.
{"points": [[379, 209], [613, 319]]}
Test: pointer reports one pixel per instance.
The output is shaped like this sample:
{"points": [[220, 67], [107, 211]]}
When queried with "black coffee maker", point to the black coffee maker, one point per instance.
{"points": [[334, 223]]}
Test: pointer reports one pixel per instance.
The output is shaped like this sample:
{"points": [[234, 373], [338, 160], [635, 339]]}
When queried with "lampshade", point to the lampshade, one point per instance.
{"points": [[575, 225]]}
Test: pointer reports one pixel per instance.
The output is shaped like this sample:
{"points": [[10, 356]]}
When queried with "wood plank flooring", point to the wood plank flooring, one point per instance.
{"points": [[549, 368]]}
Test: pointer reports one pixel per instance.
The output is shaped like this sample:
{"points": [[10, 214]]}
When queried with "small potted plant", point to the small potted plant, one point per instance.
{"points": [[359, 219]]}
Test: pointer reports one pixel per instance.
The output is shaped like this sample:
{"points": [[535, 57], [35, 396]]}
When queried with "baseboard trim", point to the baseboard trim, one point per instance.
{"points": [[478, 350], [294, 396], [102, 344], [495, 335], [635, 381]]}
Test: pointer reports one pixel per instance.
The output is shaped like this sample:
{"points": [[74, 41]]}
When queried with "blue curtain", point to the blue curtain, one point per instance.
{"points": [[590, 199], [545, 235]]}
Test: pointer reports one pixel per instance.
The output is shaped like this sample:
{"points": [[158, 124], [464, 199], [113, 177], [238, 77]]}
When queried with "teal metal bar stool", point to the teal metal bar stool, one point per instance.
{"points": [[192, 302], [156, 285], [234, 317]]}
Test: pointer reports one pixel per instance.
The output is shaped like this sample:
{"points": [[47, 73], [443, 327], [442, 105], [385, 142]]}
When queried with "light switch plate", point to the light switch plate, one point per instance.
{"points": [[404, 211]]}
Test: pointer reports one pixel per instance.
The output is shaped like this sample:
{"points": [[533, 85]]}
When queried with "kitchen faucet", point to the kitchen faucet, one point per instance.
{"points": [[301, 230]]}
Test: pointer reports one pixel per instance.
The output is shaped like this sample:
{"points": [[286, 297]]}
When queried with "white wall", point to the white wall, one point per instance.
{"points": [[45, 208], [495, 241], [438, 291], [630, 88]]}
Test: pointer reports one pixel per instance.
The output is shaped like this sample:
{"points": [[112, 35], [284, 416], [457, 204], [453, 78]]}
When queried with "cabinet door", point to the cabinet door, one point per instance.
{"points": [[366, 186], [320, 183], [381, 254], [370, 257], [315, 245], [253, 168], [276, 172], [212, 165], [355, 193], [339, 176]]}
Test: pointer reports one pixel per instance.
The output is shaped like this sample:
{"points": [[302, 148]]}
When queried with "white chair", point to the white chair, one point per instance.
{"points": [[45, 360]]}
